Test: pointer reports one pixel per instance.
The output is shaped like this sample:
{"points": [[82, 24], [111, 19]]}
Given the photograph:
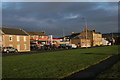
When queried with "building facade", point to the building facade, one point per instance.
{"points": [[17, 38], [95, 37], [81, 42]]}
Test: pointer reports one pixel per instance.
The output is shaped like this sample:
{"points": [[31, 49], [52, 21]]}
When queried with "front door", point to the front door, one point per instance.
{"points": [[18, 47]]}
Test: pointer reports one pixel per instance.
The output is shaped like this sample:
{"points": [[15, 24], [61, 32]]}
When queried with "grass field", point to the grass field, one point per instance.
{"points": [[112, 73], [54, 64]]}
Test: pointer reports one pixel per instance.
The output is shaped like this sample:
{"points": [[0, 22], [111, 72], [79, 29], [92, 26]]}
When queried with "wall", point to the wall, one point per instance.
{"points": [[97, 39], [89, 36], [81, 42], [85, 43], [76, 41], [21, 45]]}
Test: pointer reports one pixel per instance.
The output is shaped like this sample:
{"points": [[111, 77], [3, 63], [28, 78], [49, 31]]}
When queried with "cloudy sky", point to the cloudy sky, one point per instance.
{"points": [[58, 17]]}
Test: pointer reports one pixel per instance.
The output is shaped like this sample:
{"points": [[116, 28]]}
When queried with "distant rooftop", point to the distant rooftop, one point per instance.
{"points": [[36, 33]]}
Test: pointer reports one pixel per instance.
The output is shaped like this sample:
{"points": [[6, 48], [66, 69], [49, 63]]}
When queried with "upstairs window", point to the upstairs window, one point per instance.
{"points": [[10, 38], [18, 38], [24, 38]]}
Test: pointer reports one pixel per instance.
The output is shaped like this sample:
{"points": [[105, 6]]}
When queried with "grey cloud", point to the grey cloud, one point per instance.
{"points": [[54, 16]]}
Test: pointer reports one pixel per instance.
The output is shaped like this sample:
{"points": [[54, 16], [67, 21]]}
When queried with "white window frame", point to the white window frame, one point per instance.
{"points": [[24, 38], [18, 38], [42, 36], [33, 37]]}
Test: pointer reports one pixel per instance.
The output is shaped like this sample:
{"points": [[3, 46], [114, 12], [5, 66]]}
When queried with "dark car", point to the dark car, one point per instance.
{"points": [[9, 49], [64, 46]]}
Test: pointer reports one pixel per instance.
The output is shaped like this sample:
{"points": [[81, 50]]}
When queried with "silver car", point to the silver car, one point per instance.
{"points": [[9, 49]]}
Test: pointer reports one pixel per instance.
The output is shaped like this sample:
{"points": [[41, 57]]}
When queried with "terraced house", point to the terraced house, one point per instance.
{"points": [[37, 35], [17, 38], [95, 37]]}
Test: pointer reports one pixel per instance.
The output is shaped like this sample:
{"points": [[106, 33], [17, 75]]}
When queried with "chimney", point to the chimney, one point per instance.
{"points": [[43, 31], [73, 33], [93, 30]]}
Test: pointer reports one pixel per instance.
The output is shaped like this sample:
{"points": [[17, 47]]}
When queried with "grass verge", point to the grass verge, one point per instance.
{"points": [[54, 64]]}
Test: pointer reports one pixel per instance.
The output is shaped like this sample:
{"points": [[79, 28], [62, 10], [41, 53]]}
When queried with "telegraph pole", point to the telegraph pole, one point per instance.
{"points": [[86, 25], [86, 30]]}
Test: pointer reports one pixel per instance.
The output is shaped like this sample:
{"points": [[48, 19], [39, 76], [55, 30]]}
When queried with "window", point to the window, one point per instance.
{"points": [[32, 37], [10, 38], [24, 38], [18, 38], [42, 36], [37, 37]]}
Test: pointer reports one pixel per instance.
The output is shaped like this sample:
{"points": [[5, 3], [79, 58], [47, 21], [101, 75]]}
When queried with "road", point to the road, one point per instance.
{"points": [[37, 52]]}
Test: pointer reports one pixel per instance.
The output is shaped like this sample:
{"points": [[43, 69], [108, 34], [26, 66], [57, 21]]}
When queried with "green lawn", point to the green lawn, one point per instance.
{"points": [[112, 73], [54, 64]]}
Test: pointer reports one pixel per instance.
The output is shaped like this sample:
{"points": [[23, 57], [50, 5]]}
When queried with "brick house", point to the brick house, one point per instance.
{"points": [[95, 37], [16, 38], [81, 42]]}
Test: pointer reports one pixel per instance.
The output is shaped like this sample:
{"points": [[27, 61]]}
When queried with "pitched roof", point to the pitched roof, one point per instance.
{"points": [[37, 33], [70, 36], [13, 31], [75, 34], [91, 31], [95, 32]]}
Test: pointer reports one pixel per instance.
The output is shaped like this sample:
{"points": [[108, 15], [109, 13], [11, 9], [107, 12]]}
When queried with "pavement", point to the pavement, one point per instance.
{"points": [[91, 72]]}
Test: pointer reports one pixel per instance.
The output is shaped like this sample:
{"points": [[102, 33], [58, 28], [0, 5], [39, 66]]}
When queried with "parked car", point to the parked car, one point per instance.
{"points": [[9, 49], [47, 47], [73, 45], [35, 46], [64, 46]]}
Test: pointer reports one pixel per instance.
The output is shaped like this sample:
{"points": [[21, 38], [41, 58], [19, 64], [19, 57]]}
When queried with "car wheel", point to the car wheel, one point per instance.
{"points": [[7, 51], [67, 48], [16, 51]]}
